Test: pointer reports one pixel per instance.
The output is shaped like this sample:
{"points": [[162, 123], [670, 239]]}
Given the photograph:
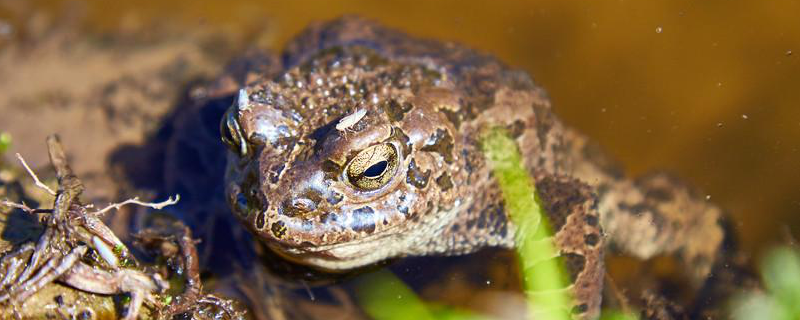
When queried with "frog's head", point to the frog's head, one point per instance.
{"points": [[344, 161]]}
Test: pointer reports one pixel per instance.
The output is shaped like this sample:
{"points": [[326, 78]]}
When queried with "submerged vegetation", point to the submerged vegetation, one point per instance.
{"points": [[543, 276], [780, 272], [5, 142]]}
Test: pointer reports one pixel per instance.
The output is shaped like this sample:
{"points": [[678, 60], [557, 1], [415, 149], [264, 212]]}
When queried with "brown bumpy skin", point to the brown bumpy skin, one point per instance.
{"points": [[361, 144]]}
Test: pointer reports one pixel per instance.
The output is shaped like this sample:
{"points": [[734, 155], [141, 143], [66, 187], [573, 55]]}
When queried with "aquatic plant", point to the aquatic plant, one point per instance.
{"points": [[780, 272]]}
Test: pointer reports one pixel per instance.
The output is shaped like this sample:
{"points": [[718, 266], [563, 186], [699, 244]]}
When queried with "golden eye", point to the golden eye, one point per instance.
{"points": [[373, 167], [230, 131]]}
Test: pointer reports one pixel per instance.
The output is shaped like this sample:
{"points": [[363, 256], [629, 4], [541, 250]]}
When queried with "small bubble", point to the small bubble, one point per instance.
{"points": [[399, 296], [708, 197], [719, 84], [659, 29], [744, 116], [488, 282], [719, 124], [603, 110], [788, 52]]}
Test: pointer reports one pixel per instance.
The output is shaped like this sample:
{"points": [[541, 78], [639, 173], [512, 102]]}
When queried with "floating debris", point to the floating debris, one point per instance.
{"points": [[80, 251]]}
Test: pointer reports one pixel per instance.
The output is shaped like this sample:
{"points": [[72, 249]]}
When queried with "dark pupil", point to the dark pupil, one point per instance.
{"points": [[375, 170]]}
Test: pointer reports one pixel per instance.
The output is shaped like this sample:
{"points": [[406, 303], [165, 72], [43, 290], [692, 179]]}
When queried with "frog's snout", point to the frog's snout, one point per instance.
{"points": [[302, 204]]}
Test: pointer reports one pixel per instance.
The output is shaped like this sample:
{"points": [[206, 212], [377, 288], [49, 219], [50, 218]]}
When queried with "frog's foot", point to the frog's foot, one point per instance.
{"points": [[656, 215], [650, 216]]}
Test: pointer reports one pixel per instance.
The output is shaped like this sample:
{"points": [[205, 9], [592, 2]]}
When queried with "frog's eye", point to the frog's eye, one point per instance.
{"points": [[231, 132], [373, 167]]}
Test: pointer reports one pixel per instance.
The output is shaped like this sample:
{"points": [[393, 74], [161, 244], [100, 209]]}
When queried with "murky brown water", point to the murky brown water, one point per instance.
{"points": [[707, 89]]}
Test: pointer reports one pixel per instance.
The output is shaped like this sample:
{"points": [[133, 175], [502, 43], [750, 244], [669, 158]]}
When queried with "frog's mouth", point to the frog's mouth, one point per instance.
{"points": [[356, 253]]}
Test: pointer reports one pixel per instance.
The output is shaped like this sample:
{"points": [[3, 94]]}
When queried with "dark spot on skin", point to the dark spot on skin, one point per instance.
{"points": [[453, 117], [581, 308], [86, 315], [275, 172], [455, 228], [260, 220], [591, 239], [59, 299], [636, 209], [397, 111], [516, 128], [471, 222], [278, 229], [575, 263], [659, 194], [469, 109], [492, 218], [477, 103], [558, 198], [328, 218], [400, 136], [591, 220], [503, 231], [444, 182], [363, 220], [403, 209], [544, 122], [595, 205], [334, 197], [441, 142], [416, 177], [467, 161]]}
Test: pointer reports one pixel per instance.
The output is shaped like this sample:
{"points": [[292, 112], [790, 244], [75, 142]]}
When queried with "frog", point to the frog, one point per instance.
{"points": [[360, 144]]}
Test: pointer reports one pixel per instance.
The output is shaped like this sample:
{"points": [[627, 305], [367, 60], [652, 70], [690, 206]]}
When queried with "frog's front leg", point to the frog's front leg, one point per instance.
{"points": [[571, 209]]}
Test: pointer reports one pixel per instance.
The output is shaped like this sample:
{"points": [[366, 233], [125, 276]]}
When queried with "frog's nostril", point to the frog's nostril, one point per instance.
{"points": [[298, 206], [303, 204]]}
